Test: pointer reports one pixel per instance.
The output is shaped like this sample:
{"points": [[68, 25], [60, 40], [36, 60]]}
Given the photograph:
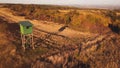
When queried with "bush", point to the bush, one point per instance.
{"points": [[112, 15], [3, 27]]}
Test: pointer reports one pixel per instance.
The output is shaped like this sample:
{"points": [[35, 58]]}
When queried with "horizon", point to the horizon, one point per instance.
{"points": [[69, 2]]}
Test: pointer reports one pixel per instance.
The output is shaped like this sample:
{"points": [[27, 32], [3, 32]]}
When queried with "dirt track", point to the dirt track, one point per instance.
{"points": [[49, 27]]}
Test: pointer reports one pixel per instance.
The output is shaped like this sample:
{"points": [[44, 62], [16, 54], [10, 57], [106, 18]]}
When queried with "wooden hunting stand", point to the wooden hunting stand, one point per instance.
{"points": [[26, 29]]}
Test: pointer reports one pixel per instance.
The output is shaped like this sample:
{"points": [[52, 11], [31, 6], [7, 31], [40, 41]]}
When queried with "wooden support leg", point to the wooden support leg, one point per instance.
{"points": [[32, 42], [27, 40], [23, 44]]}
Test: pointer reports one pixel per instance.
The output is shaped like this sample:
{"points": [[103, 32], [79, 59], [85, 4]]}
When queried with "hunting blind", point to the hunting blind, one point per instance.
{"points": [[26, 29]]}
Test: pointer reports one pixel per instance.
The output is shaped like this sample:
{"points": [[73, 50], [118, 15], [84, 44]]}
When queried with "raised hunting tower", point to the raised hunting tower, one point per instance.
{"points": [[26, 30]]}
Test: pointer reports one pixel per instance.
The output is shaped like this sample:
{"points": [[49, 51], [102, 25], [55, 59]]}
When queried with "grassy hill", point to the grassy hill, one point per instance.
{"points": [[101, 51]]}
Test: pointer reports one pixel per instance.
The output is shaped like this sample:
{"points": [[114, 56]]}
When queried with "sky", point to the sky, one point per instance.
{"points": [[66, 2]]}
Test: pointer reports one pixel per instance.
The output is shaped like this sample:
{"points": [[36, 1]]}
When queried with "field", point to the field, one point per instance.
{"points": [[64, 37]]}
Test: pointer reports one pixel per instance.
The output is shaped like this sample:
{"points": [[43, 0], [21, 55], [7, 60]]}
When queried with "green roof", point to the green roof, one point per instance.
{"points": [[25, 23]]}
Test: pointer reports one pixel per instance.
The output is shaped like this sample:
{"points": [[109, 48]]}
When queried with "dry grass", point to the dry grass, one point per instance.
{"points": [[104, 53]]}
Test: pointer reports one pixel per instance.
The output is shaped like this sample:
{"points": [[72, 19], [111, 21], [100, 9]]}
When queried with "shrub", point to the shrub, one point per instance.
{"points": [[3, 27], [112, 15]]}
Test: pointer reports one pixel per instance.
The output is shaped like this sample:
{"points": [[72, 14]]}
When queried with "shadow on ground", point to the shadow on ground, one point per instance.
{"points": [[114, 28]]}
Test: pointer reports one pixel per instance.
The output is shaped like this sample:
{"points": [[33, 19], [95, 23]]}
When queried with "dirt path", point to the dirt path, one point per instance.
{"points": [[49, 27]]}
